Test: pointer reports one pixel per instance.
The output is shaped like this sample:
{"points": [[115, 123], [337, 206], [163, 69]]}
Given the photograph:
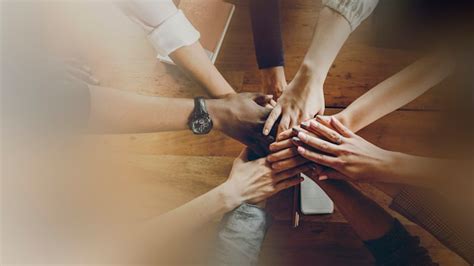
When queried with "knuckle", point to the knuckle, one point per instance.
{"points": [[339, 163], [324, 146]]}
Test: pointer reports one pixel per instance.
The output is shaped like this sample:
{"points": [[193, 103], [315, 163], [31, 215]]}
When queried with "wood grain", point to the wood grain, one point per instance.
{"points": [[174, 167]]}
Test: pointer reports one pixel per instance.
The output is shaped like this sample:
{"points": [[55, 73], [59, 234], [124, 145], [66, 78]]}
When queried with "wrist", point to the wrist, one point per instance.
{"points": [[390, 164], [346, 119], [216, 109], [273, 76], [312, 73], [229, 197]]}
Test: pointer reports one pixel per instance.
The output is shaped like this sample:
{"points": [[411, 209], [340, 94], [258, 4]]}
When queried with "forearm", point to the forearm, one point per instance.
{"points": [[369, 220], [331, 32], [387, 240], [165, 234], [422, 171], [116, 111], [186, 219], [113, 110], [194, 60], [396, 91]]}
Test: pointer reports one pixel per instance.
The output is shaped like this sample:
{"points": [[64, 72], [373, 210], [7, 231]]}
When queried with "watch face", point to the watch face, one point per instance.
{"points": [[201, 125]]}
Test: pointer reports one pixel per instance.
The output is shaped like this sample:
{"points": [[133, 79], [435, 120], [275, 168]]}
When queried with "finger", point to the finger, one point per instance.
{"points": [[324, 119], [292, 172], [283, 154], [341, 128], [280, 145], [284, 123], [319, 158], [286, 134], [262, 99], [274, 115], [273, 103], [326, 132], [288, 183], [318, 143], [331, 174], [288, 163]]}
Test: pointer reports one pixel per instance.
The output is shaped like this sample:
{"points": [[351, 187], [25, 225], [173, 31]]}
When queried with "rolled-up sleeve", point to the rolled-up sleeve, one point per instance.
{"points": [[167, 27], [240, 236], [354, 11]]}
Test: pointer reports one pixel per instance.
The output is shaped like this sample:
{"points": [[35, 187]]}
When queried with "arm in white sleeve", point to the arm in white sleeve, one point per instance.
{"points": [[167, 27]]}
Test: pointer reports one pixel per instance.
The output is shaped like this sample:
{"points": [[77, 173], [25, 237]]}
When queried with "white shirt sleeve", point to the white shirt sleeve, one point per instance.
{"points": [[167, 27], [354, 11]]}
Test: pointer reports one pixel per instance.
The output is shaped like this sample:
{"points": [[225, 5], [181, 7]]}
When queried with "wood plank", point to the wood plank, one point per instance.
{"points": [[171, 168]]}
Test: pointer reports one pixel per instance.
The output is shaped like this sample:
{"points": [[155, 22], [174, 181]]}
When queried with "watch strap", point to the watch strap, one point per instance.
{"points": [[200, 106]]}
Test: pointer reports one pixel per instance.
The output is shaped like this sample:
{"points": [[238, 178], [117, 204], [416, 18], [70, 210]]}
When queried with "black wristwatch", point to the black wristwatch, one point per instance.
{"points": [[200, 122]]}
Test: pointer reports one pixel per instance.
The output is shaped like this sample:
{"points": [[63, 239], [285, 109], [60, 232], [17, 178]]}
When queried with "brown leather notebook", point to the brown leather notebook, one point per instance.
{"points": [[211, 18]]}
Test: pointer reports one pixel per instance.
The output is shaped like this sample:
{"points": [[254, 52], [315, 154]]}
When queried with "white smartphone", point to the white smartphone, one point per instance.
{"points": [[313, 199]]}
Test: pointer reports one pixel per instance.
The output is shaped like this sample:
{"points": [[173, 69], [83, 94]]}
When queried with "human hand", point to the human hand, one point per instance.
{"points": [[301, 100], [339, 148], [274, 81], [241, 116], [254, 181]]}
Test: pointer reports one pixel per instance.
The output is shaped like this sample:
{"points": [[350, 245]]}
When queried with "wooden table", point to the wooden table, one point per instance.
{"points": [[122, 58]]}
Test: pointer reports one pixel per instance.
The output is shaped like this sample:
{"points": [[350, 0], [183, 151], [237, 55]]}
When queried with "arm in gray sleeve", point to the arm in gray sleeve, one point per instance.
{"points": [[354, 11], [240, 236]]}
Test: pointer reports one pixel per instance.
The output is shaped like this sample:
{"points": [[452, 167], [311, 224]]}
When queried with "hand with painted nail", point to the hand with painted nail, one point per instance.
{"points": [[338, 148], [300, 101], [284, 152]]}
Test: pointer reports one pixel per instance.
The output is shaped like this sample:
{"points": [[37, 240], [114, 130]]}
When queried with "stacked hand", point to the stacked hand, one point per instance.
{"points": [[242, 116], [300, 101], [338, 152], [254, 181]]}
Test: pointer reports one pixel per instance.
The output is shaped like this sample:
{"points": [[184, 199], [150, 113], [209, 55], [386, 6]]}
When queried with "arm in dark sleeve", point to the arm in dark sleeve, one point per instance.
{"points": [[265, 17], [398, 247]]}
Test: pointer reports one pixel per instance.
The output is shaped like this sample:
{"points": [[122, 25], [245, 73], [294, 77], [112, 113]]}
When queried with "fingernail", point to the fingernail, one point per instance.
{"points": [[305, 124], [302, 136], [323, 177], [314, 124], [296, 141], [295, 130], [266, 131], [301, 149]]}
